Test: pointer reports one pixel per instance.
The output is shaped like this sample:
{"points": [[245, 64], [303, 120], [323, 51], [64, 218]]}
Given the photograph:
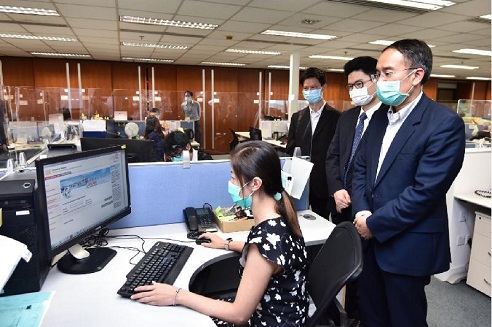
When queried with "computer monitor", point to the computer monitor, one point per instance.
{"points": [[136, 150], [79, 194]]}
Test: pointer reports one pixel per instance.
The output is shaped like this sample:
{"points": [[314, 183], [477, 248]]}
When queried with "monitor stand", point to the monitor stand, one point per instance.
{"points": [[95, 261]]}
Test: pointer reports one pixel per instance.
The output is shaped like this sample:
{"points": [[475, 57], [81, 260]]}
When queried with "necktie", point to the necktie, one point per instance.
{"points": [[359, 130]]}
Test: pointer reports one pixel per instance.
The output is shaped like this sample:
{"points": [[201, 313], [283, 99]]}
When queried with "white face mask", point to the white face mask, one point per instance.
{"points": [[360, 97], [188, 99]]}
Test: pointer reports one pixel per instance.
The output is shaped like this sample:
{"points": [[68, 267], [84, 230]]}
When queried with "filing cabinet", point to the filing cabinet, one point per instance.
{"points": [[479, 268]]}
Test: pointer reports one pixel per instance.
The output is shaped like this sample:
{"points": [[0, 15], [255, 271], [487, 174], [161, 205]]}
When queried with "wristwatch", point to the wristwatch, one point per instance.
{"points": [[226, 244]]}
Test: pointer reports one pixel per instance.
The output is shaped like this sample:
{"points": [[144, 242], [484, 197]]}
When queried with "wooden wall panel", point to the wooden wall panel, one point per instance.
{"points": [[165, 79], [17, 71], [248, 85], [335, 91], [464, 90], [481, 89], [124, 76], [430, 88]]}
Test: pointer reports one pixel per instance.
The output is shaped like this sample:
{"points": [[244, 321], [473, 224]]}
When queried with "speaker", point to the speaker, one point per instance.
{"points": [[19, 222]]}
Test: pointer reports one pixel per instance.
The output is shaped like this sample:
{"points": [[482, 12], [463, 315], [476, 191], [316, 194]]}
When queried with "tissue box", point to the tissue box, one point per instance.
{"points": [[228, 222]]}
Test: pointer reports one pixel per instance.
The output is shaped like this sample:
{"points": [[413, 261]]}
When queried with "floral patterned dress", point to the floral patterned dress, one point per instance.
{"points": [[285, 302]]}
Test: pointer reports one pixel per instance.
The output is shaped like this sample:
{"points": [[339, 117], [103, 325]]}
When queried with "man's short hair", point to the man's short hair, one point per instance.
{"points": [[176, 141], [154, 110], [416, 53], [365, 64], [188, 92], [313, 72]]}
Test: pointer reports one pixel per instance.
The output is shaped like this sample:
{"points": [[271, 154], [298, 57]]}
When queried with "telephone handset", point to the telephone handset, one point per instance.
{"points": [[199, 220]]}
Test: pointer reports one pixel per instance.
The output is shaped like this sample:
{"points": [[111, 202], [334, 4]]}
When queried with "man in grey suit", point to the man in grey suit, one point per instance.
{"points": [[407, 160]]}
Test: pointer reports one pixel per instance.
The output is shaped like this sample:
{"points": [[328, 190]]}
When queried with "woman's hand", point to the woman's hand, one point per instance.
{"points": [[216, 241], [155, 294]]}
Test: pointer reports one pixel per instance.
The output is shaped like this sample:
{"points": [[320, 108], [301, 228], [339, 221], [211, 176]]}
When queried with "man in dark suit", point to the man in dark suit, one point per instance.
{"points": [[311, 129], [361, 84], [407, 160]]}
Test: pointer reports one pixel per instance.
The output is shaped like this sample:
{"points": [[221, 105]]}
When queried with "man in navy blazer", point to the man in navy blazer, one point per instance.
{"points": [[407, 160], [311, 129]]}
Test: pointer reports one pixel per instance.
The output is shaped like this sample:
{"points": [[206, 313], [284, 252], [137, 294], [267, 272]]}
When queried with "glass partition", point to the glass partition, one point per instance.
{"points": [[476, 115]]}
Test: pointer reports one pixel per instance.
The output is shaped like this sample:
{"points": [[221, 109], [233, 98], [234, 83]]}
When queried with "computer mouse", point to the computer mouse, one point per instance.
{"points": [[309, 216], [203, 240]]}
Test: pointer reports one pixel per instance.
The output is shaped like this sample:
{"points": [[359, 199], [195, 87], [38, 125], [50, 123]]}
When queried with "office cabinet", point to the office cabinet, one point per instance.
{"points": [[479, 268]]}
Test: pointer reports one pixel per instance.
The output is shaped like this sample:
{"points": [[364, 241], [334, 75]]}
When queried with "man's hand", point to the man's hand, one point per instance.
{"points": [[342, 199], [361, 225]]}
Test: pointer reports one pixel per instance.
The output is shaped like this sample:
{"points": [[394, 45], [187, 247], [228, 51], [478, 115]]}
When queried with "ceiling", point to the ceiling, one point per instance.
{"points": [[96, 26]]}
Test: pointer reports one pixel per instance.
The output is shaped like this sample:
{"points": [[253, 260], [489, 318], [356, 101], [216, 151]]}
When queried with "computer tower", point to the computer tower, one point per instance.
{"points": [[20, 222]]}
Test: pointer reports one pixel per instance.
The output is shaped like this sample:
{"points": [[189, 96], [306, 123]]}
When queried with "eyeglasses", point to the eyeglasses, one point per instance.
{"points": [[389, 73], [358, 85]]}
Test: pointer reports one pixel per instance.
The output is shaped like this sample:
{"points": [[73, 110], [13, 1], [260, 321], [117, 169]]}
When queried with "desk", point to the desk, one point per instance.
{"points": [[91, 300], [245, 136], [475, 199]]}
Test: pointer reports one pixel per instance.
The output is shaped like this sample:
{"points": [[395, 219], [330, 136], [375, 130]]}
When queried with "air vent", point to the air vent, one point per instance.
{"points": [[378, 5], [479, 20]]}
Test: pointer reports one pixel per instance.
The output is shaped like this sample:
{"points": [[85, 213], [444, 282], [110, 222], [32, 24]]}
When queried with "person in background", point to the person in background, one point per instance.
{"points": [[361, 85], [176, 142], [312, 129], [153, 131], [272, 290], [191, 111], [407, 161], [3, 127], [154, 112]]}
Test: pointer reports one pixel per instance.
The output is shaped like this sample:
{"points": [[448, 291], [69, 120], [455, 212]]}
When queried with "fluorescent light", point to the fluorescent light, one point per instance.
{"points": [[335, 69], [56, 54], [489, 16], [302, 35], [387, 43], [34, 37], [166, 22], [419, 4], [221, 63], [284, 67], [158, 46], [148, 59], [28, 11], [442, 75], [330, 57], [460, 67], [273, 53], [479, 78], [474, 51]]}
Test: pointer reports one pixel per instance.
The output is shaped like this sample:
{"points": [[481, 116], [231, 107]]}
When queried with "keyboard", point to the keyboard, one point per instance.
{"points": [[162, 264]]}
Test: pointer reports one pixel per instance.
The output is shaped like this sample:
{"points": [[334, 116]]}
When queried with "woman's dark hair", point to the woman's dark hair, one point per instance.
{"points": [[152, 124], [258, 159], [175, 142]]}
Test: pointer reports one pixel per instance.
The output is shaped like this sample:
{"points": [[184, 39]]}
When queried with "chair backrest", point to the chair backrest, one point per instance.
{"points": [[235, 140], [339, 261]]}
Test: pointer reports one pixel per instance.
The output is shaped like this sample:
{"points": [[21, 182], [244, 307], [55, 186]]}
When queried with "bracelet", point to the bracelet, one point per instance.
{"points": [[226, 244], [176, 295]]}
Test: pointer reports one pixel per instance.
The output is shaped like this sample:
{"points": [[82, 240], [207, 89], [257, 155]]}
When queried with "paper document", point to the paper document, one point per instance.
{"points": [[299, 169], [11, 251], [24, 310]]}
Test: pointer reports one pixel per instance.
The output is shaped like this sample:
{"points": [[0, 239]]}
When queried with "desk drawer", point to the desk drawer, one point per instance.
{"points": [[481, 249], [482, 224], [479, 277]]}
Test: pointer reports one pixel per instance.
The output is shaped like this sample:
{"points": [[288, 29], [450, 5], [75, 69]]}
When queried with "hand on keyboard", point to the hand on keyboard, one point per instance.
{"points": [[155, 294]]}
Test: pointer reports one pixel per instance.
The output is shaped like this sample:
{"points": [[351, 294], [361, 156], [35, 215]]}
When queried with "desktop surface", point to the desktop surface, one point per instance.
{"points": [[91, 299]]}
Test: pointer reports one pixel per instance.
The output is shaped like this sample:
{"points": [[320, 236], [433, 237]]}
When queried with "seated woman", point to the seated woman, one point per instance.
{"points": [[272, 291], [153, 131]]}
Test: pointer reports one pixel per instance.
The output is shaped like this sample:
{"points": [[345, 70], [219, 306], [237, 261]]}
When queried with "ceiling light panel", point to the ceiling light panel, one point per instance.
{"points": [[479, 78], [460, 67], [260, 52], [148, 59], [34, 37], [486, 17], [419, 4], [442, 76], [221, 63], [166, 22], [330, 57], [56, 54], [28, 11], [474, 51], [388, 42], [300, 35], [151, 45], [284, 67]]}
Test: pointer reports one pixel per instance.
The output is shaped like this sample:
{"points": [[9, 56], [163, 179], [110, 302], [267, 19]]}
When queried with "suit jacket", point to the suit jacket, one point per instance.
{"points": [[408, 199], [313, 145]]}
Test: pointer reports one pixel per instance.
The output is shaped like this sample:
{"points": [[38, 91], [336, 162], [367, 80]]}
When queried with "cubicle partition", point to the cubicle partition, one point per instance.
{"points": [[160, 191]]}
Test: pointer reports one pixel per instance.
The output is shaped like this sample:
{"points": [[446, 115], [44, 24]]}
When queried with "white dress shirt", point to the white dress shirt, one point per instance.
{"points": [[315, 117]]}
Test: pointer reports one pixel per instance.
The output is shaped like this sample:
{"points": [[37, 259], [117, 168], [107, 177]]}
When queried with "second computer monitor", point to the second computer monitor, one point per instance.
{"points": [[136, 150]]}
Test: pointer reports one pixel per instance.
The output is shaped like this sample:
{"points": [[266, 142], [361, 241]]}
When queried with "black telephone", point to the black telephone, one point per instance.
{"points": [[199, 220]]}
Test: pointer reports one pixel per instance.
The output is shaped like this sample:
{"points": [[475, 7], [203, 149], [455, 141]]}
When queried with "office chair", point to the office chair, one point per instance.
{"points": [[235, 140], [338, 262], [255, 134]]}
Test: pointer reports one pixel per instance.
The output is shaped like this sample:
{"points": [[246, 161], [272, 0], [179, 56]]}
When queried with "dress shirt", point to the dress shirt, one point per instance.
{"points": [[315, 117], [395, 120], [369, 112]]}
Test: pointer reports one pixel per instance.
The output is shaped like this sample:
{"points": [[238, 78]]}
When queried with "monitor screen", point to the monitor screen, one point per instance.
{"points": [[79, 194], [136, 150]]}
